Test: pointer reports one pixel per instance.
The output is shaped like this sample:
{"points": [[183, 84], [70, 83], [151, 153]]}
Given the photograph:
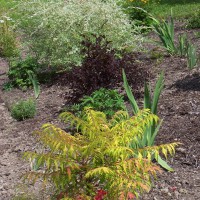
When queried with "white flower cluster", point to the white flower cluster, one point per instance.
{"points": [[4, 19]]}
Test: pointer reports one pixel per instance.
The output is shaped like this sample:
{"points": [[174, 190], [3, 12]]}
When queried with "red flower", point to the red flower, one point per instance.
{"points": [[131, 195], [100, 194], [173, 188]]}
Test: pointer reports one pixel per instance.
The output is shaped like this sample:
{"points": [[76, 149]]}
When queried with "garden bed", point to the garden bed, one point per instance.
{"points": [[179, 107]]}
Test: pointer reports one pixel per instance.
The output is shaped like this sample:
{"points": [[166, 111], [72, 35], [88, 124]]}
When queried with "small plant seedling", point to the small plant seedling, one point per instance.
{"points": [[35, 83], [23, 109], [197, 34], [183, 45], [192, 58], [8, 86]]}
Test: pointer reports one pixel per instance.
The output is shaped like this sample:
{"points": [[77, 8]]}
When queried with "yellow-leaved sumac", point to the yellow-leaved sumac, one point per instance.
{"points": [[97, 161]]}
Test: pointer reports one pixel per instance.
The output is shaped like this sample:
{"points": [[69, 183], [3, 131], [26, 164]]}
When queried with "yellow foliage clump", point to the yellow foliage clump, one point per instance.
{"points": [[98, 161]]}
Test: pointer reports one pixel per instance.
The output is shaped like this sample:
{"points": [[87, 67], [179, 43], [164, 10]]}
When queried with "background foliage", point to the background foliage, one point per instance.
{"points": [[194, 21], [138, 10]]}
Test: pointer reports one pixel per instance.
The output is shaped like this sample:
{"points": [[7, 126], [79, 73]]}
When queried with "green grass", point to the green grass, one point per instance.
{"points": [[7, 8], [6, 5], [180, 8]]}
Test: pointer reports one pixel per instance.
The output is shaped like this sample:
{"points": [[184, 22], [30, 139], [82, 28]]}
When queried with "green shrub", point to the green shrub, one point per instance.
{"points": [[8, 86], [141, 17], [104, 100], [8, 45], [194, 21], [138, 10], [97, 162], [19, 71], [197, 34], [56, 30], [23, 109]]}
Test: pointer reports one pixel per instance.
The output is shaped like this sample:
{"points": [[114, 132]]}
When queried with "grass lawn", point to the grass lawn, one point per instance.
{"points": [[180, 8], [7, 8]]}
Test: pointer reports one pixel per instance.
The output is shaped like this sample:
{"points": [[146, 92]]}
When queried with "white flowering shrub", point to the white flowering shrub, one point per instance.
{"points": [[56, 29]]}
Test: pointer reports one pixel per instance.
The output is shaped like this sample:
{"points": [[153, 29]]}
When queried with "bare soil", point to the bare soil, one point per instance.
{"points": [[179, 107]]}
